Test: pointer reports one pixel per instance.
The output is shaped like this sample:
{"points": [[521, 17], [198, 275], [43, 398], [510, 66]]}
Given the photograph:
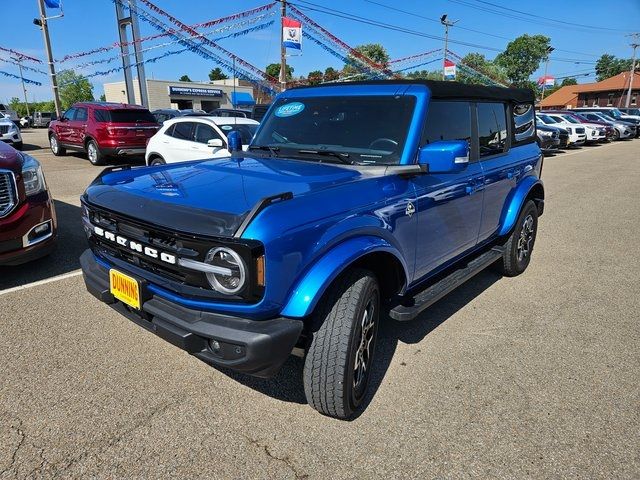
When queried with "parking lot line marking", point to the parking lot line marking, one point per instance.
{"points": [[74, 273]]}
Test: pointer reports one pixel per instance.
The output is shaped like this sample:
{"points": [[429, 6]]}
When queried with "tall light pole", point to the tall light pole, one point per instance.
{"points": [[546, 65], [283, 50], [447, 24], [42, 22], [18, 60], [633, 68]]}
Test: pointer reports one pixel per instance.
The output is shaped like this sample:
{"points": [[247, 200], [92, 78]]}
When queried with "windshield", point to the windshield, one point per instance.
{"points": [[547, 119], [246, 131], [615, 113], [366, 129], [570, 119]]}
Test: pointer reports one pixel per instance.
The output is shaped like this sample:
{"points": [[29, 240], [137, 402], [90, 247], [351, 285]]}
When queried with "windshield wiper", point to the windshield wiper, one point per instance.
{"points": [[342, 156], [273, 150]]}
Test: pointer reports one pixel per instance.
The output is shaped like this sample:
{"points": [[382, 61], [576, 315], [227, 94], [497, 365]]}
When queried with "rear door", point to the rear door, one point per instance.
{"points": [[181, 143], [448, 205]]}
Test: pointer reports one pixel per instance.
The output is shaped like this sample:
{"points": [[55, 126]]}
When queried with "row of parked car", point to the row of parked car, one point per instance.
{"points": [[566, 128]]}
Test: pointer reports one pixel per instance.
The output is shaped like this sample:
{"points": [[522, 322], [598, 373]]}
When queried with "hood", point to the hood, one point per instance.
{"points": [[209, 197], [10, 159]]}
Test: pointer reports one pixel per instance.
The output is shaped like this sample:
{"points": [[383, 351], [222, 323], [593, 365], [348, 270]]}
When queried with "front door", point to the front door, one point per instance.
{"points": [[78, 126], [64, 126], [448, 205], [204, 133]]}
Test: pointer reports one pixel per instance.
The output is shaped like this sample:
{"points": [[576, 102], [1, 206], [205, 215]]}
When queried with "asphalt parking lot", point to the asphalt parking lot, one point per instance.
{"points": [[535, 376]]}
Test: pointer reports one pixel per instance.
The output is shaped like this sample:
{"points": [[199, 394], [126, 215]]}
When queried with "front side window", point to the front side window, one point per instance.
{"points": [[204, 133], [447, 121], [492, 128], [81, 114], [368, 129], [183, 131], [69, 114]]}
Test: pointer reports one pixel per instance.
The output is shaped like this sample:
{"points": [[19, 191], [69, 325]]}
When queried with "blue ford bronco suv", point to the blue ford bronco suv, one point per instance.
{"points": [[354, 202]]}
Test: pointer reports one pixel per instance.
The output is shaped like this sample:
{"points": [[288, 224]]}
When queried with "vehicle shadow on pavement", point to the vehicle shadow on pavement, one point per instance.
{"points": [[65, 258], [29, 147], [287, 384]]}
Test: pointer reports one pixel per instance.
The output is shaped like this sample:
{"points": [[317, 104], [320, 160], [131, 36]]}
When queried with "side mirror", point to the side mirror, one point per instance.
{"points": [[64, 119], [215, 143], [235, 141], [448, 156]]}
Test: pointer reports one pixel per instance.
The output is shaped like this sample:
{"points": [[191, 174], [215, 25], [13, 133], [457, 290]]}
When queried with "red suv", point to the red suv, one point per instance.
{"points": [[27, 216], [102, 130]]}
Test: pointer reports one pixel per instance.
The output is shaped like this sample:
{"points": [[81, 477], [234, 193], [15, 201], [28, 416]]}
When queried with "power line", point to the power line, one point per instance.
{"points": [[502, 37]]}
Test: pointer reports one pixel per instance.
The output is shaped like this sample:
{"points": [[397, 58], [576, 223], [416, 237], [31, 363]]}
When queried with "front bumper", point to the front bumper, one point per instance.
{"points": [[255, 347], [12, 137], [18, 242]]}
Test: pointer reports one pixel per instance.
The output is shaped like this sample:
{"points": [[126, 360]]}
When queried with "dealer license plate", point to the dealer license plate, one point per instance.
{"points": [[125, 288]]}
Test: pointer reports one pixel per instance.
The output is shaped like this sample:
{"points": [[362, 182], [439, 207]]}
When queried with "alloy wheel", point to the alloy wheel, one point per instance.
{"points": [[525, 240], [363, 353]]}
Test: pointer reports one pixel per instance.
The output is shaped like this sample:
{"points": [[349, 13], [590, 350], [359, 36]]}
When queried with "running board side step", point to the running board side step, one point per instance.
{"points": [[433, 293]]}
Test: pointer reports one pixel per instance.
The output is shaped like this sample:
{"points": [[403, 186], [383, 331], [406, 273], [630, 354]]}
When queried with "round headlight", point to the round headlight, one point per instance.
{"points": [[232, 281]]}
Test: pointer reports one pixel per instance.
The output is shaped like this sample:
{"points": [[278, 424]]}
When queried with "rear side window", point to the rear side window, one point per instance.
{"points": [[183, 131], [492, 128], [101, 116], [447, 121], [523, 122]]}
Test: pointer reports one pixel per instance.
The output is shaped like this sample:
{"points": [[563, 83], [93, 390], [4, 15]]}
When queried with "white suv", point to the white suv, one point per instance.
{"points": [[577, 133], [196, 138], [10, 133]]}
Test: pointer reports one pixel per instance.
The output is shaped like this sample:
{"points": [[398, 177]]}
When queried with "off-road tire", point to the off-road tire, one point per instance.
{"points": [[330, 372], [519, 246], [56, 149], [93, 153]]}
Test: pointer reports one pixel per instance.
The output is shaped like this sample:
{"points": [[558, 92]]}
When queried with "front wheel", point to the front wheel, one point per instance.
{"points": [[56, 149], [93, 152], [338, 363], [519, 246]]}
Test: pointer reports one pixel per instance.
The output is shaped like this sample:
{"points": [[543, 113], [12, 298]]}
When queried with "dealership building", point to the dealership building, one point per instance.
{"points": [[185, 95]]}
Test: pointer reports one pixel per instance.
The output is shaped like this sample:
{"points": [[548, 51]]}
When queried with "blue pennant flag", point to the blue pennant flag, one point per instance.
{"points": [[52, 3]]}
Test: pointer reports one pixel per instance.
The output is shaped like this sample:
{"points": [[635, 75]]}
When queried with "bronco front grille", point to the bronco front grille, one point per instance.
{"points": [[7, 192]]}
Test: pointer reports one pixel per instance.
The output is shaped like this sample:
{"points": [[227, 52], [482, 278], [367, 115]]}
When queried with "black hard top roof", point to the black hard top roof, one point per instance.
{"points": [[441, 89]]}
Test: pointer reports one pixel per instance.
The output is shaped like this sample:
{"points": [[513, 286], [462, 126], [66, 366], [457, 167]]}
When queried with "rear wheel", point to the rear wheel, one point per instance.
{"points": [[93, 152], [616, 134], [338, 364], [56, 149], [157, 161], [519, 246]]}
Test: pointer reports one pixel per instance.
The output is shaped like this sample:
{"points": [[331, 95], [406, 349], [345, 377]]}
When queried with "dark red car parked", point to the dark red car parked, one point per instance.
{"points": [[103, 130], [27, 216]]}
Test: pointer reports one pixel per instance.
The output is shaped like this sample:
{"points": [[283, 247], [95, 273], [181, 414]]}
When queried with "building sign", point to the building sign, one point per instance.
{"points": [[195, 92]]}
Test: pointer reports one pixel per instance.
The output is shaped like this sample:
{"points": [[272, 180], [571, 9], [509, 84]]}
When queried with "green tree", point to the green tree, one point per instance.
{"points": [[217, 74], [373, 51], [522, 57], [478, 62], [103, 98], [568, 81], [184, 78], [425, 75], [610, 66], [273, 69], [73, 88], [331, 74], [315, 77]]}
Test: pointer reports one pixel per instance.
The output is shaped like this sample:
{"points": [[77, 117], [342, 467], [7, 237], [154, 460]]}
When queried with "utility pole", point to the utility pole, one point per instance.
{"points": [[447, 24], [18, 60], [42, 22], [283, 50], [546, 65], [634, 45]]}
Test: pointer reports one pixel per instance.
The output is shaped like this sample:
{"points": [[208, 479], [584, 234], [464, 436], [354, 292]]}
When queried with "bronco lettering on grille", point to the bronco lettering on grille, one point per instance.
{"points": [[135, 246]]}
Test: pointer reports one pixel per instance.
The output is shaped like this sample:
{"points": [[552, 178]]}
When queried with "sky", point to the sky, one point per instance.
{"points": [[583, 30]]}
